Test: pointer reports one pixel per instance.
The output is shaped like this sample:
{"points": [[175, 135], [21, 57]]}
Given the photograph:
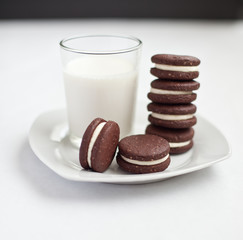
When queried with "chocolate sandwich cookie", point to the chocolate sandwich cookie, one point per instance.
{"points": [[99, 144], [177, 67], [172, 116], [173, 92], [180, 140], [143, 154]]}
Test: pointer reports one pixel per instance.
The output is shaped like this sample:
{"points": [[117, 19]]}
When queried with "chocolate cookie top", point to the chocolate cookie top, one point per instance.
{"points": [[175, 85], [99, 144], [171, 135], [178, 109], [175, 60], [143, 147]]}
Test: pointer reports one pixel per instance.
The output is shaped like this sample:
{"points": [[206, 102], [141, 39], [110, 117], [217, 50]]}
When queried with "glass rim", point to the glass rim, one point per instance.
{"points": [[130, 49]]}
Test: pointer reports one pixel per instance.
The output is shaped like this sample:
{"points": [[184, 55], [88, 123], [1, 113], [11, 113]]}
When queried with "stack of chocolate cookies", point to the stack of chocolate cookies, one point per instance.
{"points": [[172, 95]]}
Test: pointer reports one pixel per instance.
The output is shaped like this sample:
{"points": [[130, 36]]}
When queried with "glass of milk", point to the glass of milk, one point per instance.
{"points": [[100, 79]]}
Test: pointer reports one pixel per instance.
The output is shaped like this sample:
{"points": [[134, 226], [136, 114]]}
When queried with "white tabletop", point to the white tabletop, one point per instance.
{"points": [[36, 203]]}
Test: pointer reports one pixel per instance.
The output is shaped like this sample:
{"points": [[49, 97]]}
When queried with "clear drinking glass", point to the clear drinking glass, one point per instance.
{"points": [[100, 79]]}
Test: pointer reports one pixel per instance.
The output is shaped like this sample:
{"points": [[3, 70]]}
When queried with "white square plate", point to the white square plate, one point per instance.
{"points": [[48, 139]]}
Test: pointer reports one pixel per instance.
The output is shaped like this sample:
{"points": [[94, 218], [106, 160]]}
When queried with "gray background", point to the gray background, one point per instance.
{"points": [[187, 9]]}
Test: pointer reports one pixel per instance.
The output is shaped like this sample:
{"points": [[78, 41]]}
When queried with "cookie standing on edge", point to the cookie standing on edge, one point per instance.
{"points": [[173, 92], [172, 116], [177, 67], [180, 140], [143, 154], [99, 145]]}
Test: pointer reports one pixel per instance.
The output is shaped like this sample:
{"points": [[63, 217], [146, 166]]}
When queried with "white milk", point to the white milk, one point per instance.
{"points": [[99, 86]]}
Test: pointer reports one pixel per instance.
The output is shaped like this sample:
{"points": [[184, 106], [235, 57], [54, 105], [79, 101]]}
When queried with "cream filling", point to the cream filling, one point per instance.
{"points": [[92, 141], [177, 68], [145, 163], [171, 117], [179, 144], [170, 92]]}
